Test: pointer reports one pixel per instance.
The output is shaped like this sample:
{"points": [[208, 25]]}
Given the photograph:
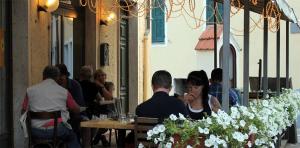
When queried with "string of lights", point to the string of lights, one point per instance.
{"points": [[191, 10]]}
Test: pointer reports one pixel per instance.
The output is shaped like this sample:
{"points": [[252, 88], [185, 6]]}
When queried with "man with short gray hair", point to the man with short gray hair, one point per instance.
{"points": [[48, 96]]}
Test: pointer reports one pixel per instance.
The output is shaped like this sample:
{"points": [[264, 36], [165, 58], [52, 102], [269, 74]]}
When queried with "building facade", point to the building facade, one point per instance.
{"points": [[74, 35]]}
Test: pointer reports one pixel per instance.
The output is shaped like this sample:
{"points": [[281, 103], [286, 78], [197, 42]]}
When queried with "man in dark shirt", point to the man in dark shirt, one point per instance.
{"points": [[161, 105]]}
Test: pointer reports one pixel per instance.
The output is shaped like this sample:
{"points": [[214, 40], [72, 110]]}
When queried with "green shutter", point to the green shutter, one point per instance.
{"points": [[158, 21], [210, 12], [220, 14]]}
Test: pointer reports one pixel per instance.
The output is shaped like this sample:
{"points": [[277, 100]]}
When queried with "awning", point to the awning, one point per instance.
{"points": [[206, 40], [287, 12]]}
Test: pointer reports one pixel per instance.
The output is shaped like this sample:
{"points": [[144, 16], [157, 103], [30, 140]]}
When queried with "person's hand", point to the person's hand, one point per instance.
{"points": [[188, 97], [99, 84]]}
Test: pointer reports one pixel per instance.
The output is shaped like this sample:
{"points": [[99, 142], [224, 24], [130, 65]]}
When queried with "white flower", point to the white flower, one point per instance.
{"points": [[149, 134], [141, 145], [265, 103], [203, 131], [172, 139], [161, 128], [155, 130], [168, 145], [242, 123], [173, 117], [252, 129], [239, 136], [188, 146], [181, 117], [155, 140], [208, 121], [249, 144]]}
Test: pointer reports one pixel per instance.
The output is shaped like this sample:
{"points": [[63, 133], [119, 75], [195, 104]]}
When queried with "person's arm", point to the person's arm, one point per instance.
{"points": [[24, 104], [72, 105], [215, 105], [233, 97], [105, 93]]}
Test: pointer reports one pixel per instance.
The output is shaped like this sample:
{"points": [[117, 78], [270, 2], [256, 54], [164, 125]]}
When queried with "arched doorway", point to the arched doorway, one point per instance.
{"points": [[232, 65]]}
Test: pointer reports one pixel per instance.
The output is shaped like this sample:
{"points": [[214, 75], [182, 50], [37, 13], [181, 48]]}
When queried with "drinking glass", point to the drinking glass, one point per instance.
{"points": [[130, 117]]}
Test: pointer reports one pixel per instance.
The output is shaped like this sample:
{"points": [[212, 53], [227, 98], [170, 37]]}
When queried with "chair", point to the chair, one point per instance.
{"points": [[52, 143], [142, 125]]}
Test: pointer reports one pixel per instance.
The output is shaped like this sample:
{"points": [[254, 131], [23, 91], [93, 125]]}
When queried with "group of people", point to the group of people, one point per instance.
{"points": [[57, 92], [201, 97]]}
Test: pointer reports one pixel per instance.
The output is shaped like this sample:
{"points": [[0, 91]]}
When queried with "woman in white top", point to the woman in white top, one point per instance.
{"points": [[199, 102]]}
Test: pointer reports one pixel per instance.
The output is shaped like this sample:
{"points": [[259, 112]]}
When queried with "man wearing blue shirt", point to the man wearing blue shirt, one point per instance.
{"points": [[215, 88]]}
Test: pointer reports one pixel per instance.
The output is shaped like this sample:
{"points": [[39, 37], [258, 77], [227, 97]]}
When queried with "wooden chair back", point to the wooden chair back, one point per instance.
{"points": [[142, 125], [43, 116]]}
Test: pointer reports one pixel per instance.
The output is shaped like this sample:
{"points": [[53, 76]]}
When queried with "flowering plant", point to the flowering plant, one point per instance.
{"points": [[263, 119]]}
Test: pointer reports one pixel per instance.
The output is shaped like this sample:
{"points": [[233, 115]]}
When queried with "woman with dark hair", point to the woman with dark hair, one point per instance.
{"points": [[199, 102]]}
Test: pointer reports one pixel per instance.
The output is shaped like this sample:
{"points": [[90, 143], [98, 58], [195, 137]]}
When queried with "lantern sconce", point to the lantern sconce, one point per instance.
{"points": [[107, 18], [48, 5]]}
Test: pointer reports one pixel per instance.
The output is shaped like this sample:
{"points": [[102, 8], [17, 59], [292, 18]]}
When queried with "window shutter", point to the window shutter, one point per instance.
{"points": [[158, 21], [220, 13], [209, 12]]}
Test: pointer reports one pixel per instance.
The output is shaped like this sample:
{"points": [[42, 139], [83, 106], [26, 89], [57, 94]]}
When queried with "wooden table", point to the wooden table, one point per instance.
{"points": [[106, 123]]}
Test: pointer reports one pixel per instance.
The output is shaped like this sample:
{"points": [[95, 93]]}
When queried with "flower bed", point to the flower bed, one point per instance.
{"points": [[263, 119]]}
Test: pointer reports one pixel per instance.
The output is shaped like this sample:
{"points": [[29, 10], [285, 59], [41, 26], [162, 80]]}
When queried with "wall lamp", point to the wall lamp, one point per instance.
{"points": [[106, 19], [48, 5]]}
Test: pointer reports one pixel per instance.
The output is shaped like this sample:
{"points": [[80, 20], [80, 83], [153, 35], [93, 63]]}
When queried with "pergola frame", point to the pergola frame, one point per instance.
{"points": [[226, 30]]}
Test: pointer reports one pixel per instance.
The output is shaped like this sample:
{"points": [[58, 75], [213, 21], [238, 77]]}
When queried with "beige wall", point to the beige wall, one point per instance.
{"points": [[109, 34], [39, 41], [30, 44], [178, 55]]}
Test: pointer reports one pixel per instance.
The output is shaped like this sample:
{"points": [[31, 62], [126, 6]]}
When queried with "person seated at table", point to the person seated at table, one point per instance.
{"points": [[161, 105], [215, 88], [48, 96], [75, 89], [110, 86], [199, 102], [100, 81], [90, 90], [91, 96]]}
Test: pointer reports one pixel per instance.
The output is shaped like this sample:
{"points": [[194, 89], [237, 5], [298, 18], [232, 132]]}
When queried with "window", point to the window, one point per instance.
{"points": [[295, 28], [210, 12], [158, 21]]}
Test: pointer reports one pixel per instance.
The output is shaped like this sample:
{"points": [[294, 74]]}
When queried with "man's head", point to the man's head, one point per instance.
{"points": [[161, 79], [216, 75], [85, 73], [64, 74], [51, 72]]}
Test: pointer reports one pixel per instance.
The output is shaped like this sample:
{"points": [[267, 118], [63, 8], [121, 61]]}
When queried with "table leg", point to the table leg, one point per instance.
{"points": [[86, 137]]}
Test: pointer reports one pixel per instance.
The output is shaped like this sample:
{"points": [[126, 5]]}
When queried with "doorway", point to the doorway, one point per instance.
{"points": [[62, 41], [232, 65]]}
